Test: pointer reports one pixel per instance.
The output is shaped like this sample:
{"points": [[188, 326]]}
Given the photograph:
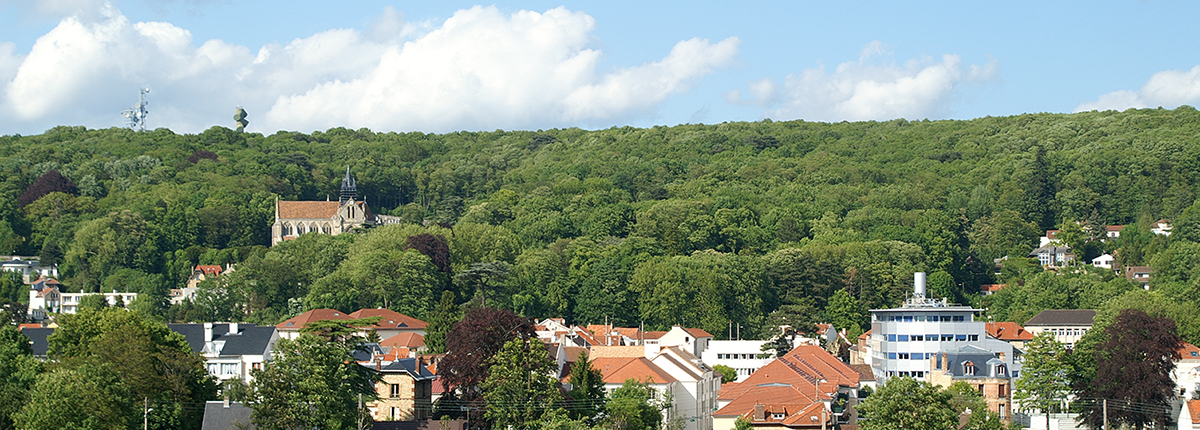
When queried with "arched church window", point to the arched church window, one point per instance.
{"points": [[312, 228], [327, 229], [287, 229]]}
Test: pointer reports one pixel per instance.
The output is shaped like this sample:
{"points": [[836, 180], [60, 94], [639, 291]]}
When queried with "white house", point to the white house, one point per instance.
{"points": [[1067, 325], [1104, 261], [692, 384], [230, 350], [29, 267], [744, 356]]}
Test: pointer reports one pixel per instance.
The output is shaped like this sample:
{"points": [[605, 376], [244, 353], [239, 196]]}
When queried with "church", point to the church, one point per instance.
{"points": [[293, 219]]}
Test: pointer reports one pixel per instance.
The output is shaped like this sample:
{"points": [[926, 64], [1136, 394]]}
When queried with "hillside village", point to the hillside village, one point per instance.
{"points": [[763, 275]]}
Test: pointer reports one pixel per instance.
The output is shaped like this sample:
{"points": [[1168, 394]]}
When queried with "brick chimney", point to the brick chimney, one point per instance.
{"points": [[760, 412]]}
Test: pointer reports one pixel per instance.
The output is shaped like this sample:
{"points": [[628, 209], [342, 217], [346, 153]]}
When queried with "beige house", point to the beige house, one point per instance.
{"points": [[981, 368], [405, 392]]}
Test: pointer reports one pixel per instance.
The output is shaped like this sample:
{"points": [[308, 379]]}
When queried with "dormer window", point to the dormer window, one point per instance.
{"points": [[1001, 370], [968, 368], [777, 416]]}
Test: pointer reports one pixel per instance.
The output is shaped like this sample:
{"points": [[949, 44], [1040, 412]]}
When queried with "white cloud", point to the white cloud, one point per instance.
{"points": [[480, 69], [1169, 89], [867, 89]]}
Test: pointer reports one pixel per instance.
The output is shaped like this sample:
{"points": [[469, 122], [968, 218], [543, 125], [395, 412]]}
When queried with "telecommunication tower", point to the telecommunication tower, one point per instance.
{"points": [[136, 116]]}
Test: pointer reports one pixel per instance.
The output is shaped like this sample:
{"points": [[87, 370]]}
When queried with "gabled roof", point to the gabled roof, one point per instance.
{"points": [[38, 341], [777, 397], [299, 321], [208, 269], [1113, 227], [698, 333], [1007, 331], [1060, 317], [407, 366], [1189, 352], [391, 319], [617, 370], [653, 334], [307, 210], [802, 367], [219, 417], [990, 288], [405, 340], [250, 339]]}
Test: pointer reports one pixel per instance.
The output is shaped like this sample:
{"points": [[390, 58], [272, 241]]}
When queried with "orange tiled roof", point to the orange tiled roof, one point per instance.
{"points": [[1007, 331], [307, 210], [299, 321], [209, 269], [778, 398], [802, 366], [1189, 352], [391, 319], [406, 340], [698, 332], [30, 325], [1194, 410], [617, 370], [866, 335], [629, 332], [991, 288], [654, 334], [1113, 227]]}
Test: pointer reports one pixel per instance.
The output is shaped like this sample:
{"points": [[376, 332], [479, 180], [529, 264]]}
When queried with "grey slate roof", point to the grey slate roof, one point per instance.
{"points": [[406, 365], [1062, 317], [981, 358], [38, 337], [249, 340], [218, 417]]}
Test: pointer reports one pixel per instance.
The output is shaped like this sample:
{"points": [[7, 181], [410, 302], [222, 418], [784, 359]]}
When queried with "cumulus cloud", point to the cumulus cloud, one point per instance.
{"points": [[1169, 89], [480, 69], [867, 89]]}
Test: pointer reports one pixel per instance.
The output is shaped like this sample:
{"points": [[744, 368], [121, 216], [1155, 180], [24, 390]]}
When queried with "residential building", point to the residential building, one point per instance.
{"points": [[982, 368], [808, 388], [38, 340], [1187, 384], [391, 322], [989, 289], [46, 297], [225, 415], [1052, 256], [1050, 237], [30, 268], [1161, 227], [905, 339], [744, 356], [405, 345], [230, 350], [692, 384], [1189, 415], [1139, 274], [404, 392], [1113, 231], [1103, 261], [1010, 332], [1067, 325]]}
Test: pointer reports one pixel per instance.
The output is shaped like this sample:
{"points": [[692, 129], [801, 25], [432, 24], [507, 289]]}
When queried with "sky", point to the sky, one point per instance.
{"points": [[436, 67]]}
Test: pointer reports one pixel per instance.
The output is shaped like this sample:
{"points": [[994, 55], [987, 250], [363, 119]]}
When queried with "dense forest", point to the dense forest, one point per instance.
{"points": [[744, 225]]}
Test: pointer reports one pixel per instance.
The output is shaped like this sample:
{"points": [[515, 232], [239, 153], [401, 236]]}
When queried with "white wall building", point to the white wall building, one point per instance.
{"points": [[745, 356], [30, 268], [904, 339], [1067, 325]]}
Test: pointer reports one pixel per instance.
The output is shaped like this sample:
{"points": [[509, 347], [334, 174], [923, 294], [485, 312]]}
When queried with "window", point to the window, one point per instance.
{"points": [[395, 390], [327, 229], [918, 356], [917, 338], [891, 355], [945, 318], [891, 338], [920, 318], [908, 318], [256, 366], [947, 338], [395, 413], [960, 337], [974, 337], [931, 337], [969, 369], [902, 338], [959, 318], [905, 374], [902, 356], [919, 374], [1003, 390]]}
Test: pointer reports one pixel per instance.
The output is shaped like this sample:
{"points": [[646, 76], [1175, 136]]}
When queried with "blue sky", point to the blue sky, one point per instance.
{"points": [[445, 66]]}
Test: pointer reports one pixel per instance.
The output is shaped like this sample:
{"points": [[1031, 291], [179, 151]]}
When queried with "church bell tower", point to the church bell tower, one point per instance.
{"points": [[348, 189]]}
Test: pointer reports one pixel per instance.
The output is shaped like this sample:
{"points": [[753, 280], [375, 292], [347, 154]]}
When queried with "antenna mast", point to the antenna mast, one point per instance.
{"points": [[136, 116]]}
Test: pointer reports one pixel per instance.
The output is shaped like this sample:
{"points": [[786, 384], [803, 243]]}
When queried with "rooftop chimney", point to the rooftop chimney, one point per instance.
{"points": [[233, 328], [919, 284], [208, 332]]}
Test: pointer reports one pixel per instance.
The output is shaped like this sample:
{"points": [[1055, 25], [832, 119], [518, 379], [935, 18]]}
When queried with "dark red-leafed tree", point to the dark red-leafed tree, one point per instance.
{"points": [[1133, 371], [201, 155], [471, 342], [47, 183], [433, 246]]}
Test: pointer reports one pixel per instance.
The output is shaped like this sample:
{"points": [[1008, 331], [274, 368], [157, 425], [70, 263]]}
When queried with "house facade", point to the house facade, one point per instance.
{"points": [[1067, 325], [808, 388], [404, 393], [982, 369], [230, 350], [30, 268]]}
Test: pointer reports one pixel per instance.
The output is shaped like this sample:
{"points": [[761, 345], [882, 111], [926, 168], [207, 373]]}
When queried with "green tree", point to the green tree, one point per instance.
{"points": [[520, 388], [106, 244], [87, 396], [1045, 376], [445, 314], [905, 403], [844, 311], [18, 373], [586, 397], [310, 383], [728, 374], [634, 406]]}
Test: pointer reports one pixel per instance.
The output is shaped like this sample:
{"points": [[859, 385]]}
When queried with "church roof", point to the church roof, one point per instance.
{"points": [[307, 210]]}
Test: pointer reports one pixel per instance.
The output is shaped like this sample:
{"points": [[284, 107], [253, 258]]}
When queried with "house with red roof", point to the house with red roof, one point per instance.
{"points": [[391, 322], [1010, 332], [693, 340], [693, 385], [808, 388]]}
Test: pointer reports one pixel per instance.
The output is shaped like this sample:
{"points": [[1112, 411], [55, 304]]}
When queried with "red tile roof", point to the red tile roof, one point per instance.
{"points": [[653, 334], [1193, 407], [1007, 331], [307, 210], [1113, 227], [1189, 352], [299, 321], [209, 269], [391, 319], [617, 370], [866, 335], [406, 340], [990, 288], [698, 332]]}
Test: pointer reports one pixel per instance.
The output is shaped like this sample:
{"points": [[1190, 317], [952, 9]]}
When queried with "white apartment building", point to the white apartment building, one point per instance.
{"points": [[30, 268], [904, 339], [745, 356], [1067, 325]]}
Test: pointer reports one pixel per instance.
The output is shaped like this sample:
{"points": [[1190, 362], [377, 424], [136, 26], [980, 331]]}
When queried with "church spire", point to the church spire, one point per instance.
{"points": [[348, 188]]}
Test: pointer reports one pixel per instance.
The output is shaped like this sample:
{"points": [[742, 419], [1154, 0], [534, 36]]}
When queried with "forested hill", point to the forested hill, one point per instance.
{"points": [[699, 224]]}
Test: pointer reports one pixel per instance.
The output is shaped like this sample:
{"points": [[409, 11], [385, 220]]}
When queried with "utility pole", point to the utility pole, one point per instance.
{"points": [[360, 412], [145, 413], [1105, 424]]}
